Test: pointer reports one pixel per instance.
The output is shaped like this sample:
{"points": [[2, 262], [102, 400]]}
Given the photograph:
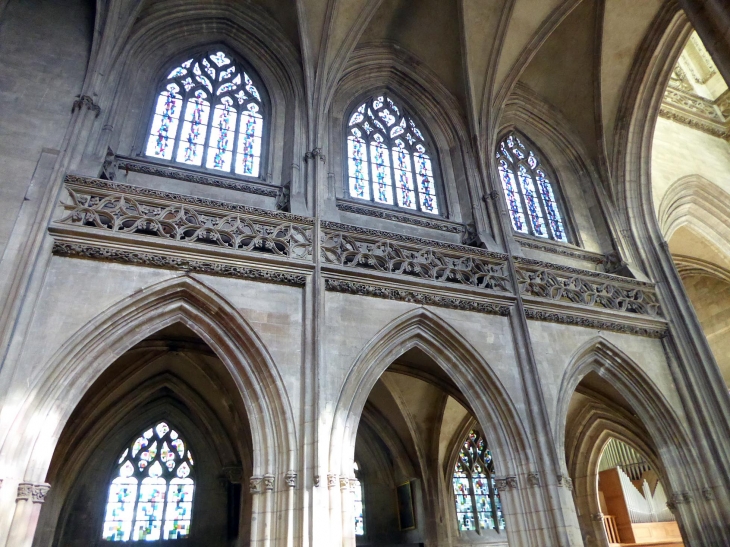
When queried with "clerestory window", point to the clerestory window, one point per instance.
{"points": [[209, 113], [388, 157], [531, 198], [151, 495], [478, 506]]}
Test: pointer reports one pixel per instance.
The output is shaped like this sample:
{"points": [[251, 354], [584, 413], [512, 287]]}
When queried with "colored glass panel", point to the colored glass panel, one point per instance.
{"points": [[403, 176], [380, 164], [220, 144], [517, 162], [462, 494], [407, 170], [195, 126], [204, 135], [248, 159], [359, 517], [164, 124], [152, 496]]}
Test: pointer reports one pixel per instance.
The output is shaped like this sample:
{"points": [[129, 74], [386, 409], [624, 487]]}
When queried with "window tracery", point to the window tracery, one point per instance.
{"points": [[478, 506], [388, 160], [151, 496], [531, 198], [209, 114]]}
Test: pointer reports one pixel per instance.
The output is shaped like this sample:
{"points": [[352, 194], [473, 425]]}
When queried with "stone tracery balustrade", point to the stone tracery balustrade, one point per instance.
{"points": [[587, 288], [132, 210], [355, 247]]}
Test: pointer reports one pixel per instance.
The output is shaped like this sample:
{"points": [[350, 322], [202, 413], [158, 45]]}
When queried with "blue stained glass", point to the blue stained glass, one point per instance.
{"points": [[514, 205], [209, 69], [533, 206], [159, 506], [227, 73], [387, 117], [379, 158], [403, 176], [220, 147], [249, 142], [424, 176], [358, 167], [164, 125], [220, 59], [195, 126], [553, 213], [250, 87]]}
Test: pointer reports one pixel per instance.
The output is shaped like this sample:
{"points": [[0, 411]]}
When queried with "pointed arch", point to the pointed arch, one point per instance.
{"points": [[423, 329], [80, 361], [646, 400]]}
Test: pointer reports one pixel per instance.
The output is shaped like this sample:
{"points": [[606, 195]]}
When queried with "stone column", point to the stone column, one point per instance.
{"points": [[348, 515], [27, 510], [255, 487], [711, 20], [335, 510]]}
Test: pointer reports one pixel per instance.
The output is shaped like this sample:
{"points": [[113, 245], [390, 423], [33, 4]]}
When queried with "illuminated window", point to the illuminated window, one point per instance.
{"points": [[151, 495], [388, 161], [529, 192], [357, 496], [210, 114], [478, 506]]}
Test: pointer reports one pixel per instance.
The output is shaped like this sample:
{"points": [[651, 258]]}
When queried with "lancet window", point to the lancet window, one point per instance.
{"points": [[388, 158], [531, 197], [358, 501], [209, 113], [478, 506], [151, 495]]}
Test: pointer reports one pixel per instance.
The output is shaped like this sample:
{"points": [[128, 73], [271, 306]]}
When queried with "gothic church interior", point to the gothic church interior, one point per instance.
{"points": [[360, 273]]}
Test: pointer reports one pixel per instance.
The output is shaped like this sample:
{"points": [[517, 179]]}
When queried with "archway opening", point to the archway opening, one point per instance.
{"points": [[424, 462], [620, 482], [173, 378]]}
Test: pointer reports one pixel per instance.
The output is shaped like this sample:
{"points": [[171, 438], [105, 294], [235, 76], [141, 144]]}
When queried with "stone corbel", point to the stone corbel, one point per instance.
{"points": [[565, 482], [85, 101], [315, 154], [291, 479], [255, 485]]}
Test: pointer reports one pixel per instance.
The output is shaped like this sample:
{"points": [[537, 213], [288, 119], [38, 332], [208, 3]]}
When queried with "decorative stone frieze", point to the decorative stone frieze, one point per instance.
{"points": [[595, 289], [142, 258], [554, 248], [533, 479], [269, 482], [593, 323], [376, 250], [255, 485], [125, 209], [332, 480], [291, 479], [414, 220], [148, 168], [416, 297]]}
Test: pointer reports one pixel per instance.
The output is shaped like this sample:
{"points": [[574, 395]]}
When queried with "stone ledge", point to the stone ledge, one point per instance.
{"points": [[396, 216]]}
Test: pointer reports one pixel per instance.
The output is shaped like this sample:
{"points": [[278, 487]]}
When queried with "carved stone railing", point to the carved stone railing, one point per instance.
{"points": [[586, 288], [354, 247], [126, 209]]}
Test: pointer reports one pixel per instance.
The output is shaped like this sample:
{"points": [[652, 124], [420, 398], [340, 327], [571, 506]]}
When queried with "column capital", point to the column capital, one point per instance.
{"points": [[40, 491]]}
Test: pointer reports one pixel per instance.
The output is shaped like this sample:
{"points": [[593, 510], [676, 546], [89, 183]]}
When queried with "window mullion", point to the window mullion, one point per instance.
{"points": [[474, 508], [541, 203], [179, 129], [237, 132], [391, 161], [414, 178], [492, 501], [208, 135]]}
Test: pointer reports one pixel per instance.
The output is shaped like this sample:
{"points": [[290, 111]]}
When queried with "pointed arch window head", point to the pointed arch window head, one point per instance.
{"points": [[478, 506], [209, 114], [151, 495], [528, 189], [388, 159]]}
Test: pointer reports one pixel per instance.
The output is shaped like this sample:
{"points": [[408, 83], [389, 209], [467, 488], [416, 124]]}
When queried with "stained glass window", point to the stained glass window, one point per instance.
{"points": [[357, 497], [151, 495], [387, 157], [222, 121], [477, 501], [530, 196]]}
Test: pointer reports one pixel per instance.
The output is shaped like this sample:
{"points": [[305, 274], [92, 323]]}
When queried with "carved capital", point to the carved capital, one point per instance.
{"points": [[268, 482], [255, 485], [40, 491], [533, 479], [291, 479], [25, 491], [332, 480], [344, 483], [708, 494], [316, 480], [597, 517], [501, 484], [85, 101], [511, 482], [565, 482], [677, 499], [314, 154], [353, 484]]}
